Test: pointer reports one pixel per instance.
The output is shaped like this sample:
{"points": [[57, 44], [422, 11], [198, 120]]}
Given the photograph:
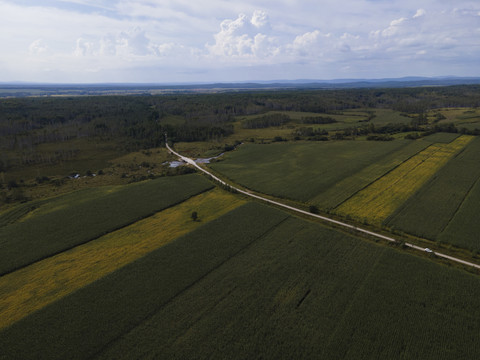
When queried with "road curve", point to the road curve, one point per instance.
{"points": [[324, 218]]}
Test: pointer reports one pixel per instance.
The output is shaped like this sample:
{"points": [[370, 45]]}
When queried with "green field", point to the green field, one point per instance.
{"points": [[257, 283], [418, 187], [301, 171], [79, 217], [24, 291], [387, 116], [140, 261], [461, 117], [441, 137], [106, 309], [431, 209], [380, 199], [348, 186], [344, 120], [464, 227]]}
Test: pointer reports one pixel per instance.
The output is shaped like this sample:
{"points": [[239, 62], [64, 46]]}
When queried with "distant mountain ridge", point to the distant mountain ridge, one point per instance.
{"points": [[19, 89]]}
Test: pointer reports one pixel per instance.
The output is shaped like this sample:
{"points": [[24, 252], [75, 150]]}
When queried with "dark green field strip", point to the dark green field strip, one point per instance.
{"points": [[80, 217], [301, 171], [441, 137], [19, 211], [81, 324], [464, 228], [306, 292], [429, 211], [470, 126], [410, 308], [347, 187], [258, 305], [387, 116]]}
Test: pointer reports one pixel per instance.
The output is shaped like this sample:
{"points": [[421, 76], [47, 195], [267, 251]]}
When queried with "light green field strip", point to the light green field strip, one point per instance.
{"points": [[380, 199], [347, 187], [31, 288]]}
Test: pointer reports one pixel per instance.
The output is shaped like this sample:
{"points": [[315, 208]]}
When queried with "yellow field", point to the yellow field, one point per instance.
{"points": [[27, 290], [380, 199]]}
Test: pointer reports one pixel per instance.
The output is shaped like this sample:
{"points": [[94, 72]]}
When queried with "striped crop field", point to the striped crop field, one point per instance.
{"points": [[432, 208], [33, 287], [380, 199], [348, 186], [74, 219], [260, 283]]}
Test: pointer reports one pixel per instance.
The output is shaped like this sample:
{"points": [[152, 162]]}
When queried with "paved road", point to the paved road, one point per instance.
{"points": [[324, 218]]}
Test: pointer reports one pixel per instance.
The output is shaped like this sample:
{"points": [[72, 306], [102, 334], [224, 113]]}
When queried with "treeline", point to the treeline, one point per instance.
{"points": [[280, 119], [379, 133], [317, 120], [266, 121], [140, 121]]}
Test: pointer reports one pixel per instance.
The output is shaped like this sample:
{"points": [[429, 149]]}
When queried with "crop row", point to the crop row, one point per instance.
{"points": [[79, 217], [380, 199], [430, 210], [348, 186], [81, 324], [257, 283], [33, 287], [464, 227], [301, 171], [304, 291]]}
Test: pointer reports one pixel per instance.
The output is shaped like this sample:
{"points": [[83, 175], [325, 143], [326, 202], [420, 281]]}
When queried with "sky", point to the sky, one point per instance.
{"points": [[178, 41]]}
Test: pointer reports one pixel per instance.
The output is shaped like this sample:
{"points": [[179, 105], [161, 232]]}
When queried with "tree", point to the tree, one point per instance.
{"points": [[194, 216], [313, 209]]}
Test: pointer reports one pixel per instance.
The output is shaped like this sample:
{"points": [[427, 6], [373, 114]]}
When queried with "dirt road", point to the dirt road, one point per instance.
{"points": [[324, 218]]}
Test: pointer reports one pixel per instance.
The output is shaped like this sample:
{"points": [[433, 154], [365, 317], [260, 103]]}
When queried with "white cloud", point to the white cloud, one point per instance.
{"points": [[244, 38], [419, 13], [84, 48], [37, 47], [306, 40], [394, 27], [316, 38], [123, 44], [259, 19]]}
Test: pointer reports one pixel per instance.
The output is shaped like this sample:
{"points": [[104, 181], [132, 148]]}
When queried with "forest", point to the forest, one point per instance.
{"points": [[140, 122]]}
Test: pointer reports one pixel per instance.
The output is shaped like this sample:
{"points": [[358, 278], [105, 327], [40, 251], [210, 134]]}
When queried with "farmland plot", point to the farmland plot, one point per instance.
{"points": [[430, 210], [90, 214], [257, 283], [380, 199], [464, 228], [79, 325], [441, 137], [304, 291], [347, 187], [301, 171], [33, 287]]}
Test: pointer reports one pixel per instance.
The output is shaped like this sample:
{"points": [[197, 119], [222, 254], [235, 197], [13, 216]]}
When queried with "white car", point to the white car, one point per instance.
{"points": [[428, 250]]}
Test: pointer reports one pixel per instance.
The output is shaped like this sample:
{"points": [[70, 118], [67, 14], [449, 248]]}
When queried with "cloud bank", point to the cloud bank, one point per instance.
{"points": [[177, 41]]}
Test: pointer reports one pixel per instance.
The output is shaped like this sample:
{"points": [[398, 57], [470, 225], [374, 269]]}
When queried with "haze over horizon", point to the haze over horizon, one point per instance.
{"points": [[145, 41]]}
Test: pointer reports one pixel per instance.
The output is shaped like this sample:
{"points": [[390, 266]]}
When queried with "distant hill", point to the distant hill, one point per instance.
{"points": [[21, 89]]}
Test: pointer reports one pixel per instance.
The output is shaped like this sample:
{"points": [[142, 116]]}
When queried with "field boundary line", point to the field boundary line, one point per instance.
{"points": [[349, 305], [321, 217], [380, 176], [460, 205], [98, 237], [186, 288]]}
